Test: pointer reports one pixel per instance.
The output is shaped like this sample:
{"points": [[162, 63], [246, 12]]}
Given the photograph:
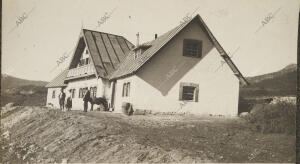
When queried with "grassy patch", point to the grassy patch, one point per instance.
{"points": [[274, 118]]}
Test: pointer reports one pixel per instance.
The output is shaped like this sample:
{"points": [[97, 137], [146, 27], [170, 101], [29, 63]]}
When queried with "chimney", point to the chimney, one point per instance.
{"points": [[155, 37], [137, 39]]}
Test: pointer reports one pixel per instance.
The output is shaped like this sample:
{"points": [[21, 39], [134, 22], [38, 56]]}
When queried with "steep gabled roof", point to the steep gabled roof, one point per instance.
{"points": [[131, 65], [107, 51], [58, 81]]}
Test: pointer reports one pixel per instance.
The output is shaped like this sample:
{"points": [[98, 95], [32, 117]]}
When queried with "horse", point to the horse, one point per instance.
{"points": [[99, 101]]}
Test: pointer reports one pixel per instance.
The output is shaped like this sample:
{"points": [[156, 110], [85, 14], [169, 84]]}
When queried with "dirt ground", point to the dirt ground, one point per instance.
{"points": [[41, 135]]}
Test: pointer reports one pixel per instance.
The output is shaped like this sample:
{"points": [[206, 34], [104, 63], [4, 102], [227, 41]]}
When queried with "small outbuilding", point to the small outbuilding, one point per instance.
{"points": [[54, 88]]}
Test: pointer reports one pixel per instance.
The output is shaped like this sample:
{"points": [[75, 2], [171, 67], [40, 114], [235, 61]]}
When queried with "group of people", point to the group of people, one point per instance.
{"points": [[62, 103], [68, 104]]}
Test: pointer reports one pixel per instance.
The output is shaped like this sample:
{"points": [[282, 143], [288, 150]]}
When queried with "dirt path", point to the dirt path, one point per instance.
{"points": [[36, 134]]}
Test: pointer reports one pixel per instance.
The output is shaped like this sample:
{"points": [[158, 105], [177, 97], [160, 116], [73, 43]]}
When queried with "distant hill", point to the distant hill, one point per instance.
{"points": [[12, 82], [21, 91], [280, 83]]}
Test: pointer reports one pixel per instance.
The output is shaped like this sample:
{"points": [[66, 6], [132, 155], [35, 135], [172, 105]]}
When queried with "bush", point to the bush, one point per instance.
{"points": [[274, 118], [244, 105]]}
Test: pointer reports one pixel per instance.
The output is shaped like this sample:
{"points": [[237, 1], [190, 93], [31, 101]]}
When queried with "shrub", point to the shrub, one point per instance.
{"points": [[274, 118], [244, 105]]}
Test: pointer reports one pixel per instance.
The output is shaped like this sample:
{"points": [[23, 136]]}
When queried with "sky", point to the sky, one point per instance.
{"points": [[261, 34]]}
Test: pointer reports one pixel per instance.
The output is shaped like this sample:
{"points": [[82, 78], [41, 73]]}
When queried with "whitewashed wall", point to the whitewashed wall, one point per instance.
{"points": [[103, 90], [156, 85], [77, 103], [119, 99], [53, 101]]}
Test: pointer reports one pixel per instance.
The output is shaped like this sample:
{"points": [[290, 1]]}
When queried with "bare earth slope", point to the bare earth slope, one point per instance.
{"points": [[35, 134]]}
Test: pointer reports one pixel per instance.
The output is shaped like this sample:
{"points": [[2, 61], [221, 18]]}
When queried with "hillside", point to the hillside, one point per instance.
{"points": [[13, 82], [280, 83], [41, 135], [22, 92]]}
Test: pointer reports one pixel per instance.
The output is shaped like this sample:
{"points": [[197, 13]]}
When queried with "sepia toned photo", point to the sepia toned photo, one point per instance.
{"points": [[148, 81]]}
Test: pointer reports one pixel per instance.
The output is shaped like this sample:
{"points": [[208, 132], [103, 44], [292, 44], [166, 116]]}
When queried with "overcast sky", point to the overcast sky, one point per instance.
{"points": [[30, 50]]}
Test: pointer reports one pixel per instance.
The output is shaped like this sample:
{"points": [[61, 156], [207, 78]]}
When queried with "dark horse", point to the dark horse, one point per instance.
{"points": [[99, 101]]}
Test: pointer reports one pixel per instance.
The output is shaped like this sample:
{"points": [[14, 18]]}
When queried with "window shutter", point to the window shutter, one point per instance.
{"points": [[53, 94], [196, 93], [180, 91], [124, 88], [200, 48], [128, 89], [95, 91]]}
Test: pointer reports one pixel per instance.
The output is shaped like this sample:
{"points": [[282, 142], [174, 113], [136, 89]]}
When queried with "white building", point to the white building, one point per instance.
{"points": [[183, 70]]}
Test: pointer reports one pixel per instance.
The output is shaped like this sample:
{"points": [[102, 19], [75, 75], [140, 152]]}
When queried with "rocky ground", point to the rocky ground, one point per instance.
{"points": [[41, 135]]}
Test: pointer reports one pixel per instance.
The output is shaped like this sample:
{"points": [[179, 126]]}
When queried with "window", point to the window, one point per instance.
{"points": [[79, 63], [189, 92], [87, 51], [72, 92], [82, 92], [79, 93], [93, 91], [87, 61], [126, 90], [83, 62], [137, 53], [192, 48], [53, 94]]}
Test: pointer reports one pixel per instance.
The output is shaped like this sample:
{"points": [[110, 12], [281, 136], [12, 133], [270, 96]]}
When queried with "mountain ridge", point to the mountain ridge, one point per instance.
{"points": [[9, 80], [279, 83], [22, 92], [286, 69]]}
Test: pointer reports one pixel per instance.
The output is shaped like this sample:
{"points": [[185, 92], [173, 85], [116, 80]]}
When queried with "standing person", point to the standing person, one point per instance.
{"points": [[69, 101], [86, 99], [62, 97]]}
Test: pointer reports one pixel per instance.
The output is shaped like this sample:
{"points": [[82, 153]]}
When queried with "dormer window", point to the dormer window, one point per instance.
{"points": [[87, 61], [137, 53], [140, 49], [87, 51]]}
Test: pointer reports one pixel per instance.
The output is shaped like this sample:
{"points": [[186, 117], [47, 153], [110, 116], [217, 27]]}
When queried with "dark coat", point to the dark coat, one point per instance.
{"points": [[62, 96], [87, 96]]}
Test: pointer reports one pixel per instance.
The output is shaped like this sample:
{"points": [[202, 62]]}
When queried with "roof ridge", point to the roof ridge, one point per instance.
{"points": [[165, 33], [104, 52], [105, 33], [165, 38], [221, 50], [58, 81]]}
